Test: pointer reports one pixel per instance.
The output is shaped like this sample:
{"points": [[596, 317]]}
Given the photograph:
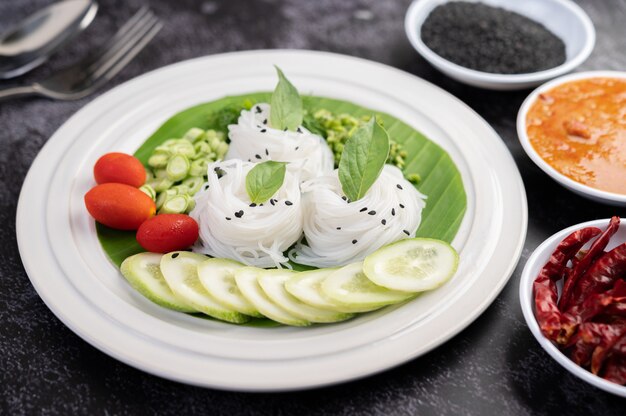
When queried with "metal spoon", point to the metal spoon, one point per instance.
{"points": [[29, 43]]}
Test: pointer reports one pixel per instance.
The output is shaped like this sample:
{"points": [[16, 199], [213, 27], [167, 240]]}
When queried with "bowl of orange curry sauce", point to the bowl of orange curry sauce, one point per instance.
{"points": [[574, 129]]}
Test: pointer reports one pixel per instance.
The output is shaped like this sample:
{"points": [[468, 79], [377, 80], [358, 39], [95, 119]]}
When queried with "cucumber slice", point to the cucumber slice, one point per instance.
{"points": [[218, 278], [349, 285], [273, 284], [246, 278], [307, 287], [143, 273], [412, 265], [180, 271]]}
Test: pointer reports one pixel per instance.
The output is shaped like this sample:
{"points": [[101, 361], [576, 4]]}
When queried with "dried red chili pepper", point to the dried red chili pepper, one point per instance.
{"points": [[583, 263], [588, 337], [594, 305], [548, 314], [615, 370], [603, 349], [601, 275], [616, 310]]}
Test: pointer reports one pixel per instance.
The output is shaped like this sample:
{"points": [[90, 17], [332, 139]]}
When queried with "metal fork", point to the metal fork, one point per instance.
{"points": [[90, 73]]}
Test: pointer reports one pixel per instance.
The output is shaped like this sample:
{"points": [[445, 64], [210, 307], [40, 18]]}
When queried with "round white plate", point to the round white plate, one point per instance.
{"points": [[71, 273]]}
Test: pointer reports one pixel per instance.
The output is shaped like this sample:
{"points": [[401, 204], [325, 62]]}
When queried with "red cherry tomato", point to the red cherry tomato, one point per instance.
{"points": [[119, 168], [119, 206], [167, 232]]}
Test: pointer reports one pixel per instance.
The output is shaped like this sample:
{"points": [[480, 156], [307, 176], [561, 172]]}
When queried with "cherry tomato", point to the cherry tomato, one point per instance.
{"points": [[119, 168], [167, 232], [119, 206]]}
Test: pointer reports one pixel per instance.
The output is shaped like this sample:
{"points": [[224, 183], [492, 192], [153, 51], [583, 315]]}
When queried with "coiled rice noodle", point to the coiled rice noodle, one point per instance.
{"points": [[252, 139], [339, 232], [231, 227]]}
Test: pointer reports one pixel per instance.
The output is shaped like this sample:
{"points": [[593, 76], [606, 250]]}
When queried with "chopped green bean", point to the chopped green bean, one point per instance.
{"points": [[194, 134], [178, 167], [148, 190]]}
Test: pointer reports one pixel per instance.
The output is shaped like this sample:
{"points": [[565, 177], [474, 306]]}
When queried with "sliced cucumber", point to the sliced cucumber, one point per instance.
{"points": [[143, 273], [180, 271], [218, 278], [273, 284], [412, 265], [349, 285], [307, 287], [246, 278]]}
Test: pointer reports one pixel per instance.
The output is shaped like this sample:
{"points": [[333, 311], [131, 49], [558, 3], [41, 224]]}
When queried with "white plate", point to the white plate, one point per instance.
{"points": [[71, 273]]}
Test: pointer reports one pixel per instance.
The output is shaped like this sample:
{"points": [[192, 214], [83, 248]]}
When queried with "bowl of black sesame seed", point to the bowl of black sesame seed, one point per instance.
{"points": [[501, 44]]}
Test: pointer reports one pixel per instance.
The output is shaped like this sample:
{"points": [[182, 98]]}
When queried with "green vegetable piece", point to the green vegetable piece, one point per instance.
{"points": [[286, 105], [164, 196], [148, 190], [183, 147], [159, 159], [194, 134], [178, 167], [264, 180], [193, 184], [363, 159], [175, 205], [202, 149], [149, 175], [161, 185], [160, 173], [181, 189], [199, 167]]}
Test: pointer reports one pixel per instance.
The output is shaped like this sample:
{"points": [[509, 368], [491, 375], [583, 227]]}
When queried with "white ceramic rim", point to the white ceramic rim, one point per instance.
{"points": [[413, 31], [96, 303], [532, 267], [538, 160]]}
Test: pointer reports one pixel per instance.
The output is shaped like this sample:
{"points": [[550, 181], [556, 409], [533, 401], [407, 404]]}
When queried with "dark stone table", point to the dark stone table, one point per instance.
{"points": [[493, 367]]}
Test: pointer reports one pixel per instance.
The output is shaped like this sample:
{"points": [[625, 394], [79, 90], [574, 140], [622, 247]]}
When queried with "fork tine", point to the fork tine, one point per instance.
{"points": [[123, 59], [121, 38], [128, 45]]}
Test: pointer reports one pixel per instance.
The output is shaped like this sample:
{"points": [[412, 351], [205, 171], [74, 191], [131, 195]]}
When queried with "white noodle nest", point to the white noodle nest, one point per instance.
{"points": [[252, 139], [256, 236], [340, 232]]}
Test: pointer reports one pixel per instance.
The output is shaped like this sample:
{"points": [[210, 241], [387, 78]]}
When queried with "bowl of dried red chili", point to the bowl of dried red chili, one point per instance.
{"points": [[573, 296]]}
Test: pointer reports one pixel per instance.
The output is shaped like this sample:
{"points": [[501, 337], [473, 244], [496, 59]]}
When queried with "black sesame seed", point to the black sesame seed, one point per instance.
{"points": [[299, 130], [239, 214], [372, 212], [297, 147], [257, 156], [265, 121], [174, 255], [252, 205], [208, 255], [258, 109], [339, 228], [228, 218], [363, 209], [344, 198], [249, 160], [206, 187], [263, 130], [406, 232], [399, 186], [354, 241], [401, 206], [383, 221], [267, 153], [288, 203], [285, 129], [393, 211], [272, 201]]}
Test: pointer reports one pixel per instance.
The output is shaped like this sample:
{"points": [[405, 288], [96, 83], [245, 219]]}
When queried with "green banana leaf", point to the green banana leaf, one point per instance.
{"points": [[440, 179]]}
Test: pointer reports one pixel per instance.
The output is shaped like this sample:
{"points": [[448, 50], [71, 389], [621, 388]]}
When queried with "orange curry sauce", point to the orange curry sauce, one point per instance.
{"points": [[579, 128]]}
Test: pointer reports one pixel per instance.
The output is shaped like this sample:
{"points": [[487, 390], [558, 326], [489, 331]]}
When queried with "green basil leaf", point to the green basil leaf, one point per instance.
{"points": [[264, 180], [286, 105], [363, 159]]}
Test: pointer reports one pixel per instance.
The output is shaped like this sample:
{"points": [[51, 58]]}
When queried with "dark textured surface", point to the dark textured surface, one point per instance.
{"points": [[493, 367]]}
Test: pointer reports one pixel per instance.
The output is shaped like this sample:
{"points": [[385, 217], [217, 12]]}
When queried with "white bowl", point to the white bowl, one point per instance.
{"points": [[562, 17], [594, 194], [534, 264]]}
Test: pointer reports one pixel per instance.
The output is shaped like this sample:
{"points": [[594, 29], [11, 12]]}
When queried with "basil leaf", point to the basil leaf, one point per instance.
{"points": [[286, 105], [363, 158], [263, 180]]}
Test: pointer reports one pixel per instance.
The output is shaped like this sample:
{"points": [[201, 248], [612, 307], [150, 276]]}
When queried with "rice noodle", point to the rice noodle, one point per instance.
{"points": [[339, 232], [231, 228], [253, 139]]}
